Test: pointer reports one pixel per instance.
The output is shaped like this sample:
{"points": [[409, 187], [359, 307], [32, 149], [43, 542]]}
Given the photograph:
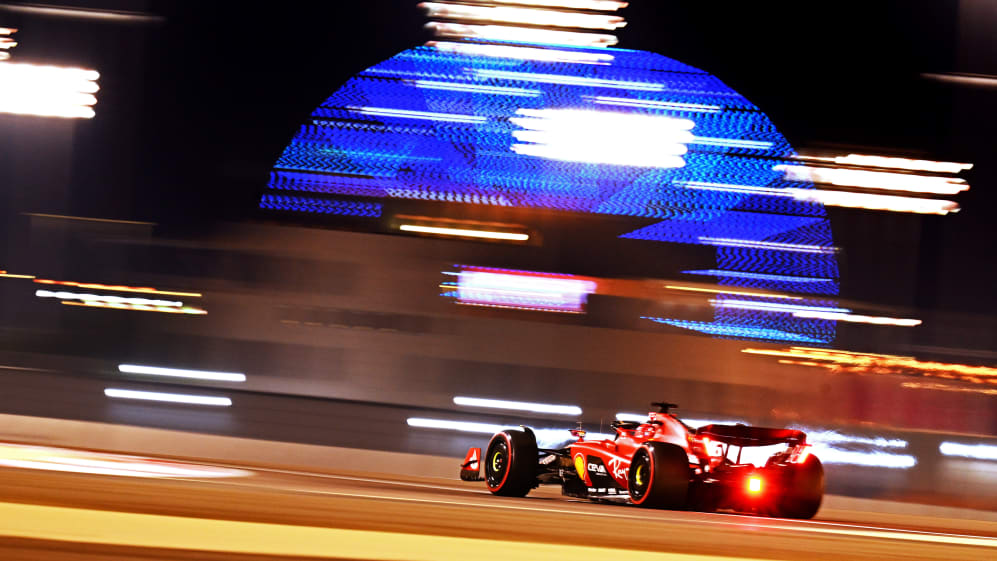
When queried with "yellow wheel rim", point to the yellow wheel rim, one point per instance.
{"points": [[495, 461], [639, 476]]}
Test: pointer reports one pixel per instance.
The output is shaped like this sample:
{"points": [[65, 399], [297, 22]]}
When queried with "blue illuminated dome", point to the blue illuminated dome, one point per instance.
{"points": [[587, 130]]}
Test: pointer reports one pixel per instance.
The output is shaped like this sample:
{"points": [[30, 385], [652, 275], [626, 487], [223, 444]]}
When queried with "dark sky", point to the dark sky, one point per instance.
{"points": [[195, 109]]}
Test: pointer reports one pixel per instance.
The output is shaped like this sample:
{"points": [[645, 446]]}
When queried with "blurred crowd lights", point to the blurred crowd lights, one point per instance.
{"points": [[42, 90], [518, 405], [182, 373], [871, 363], [168, 397], [598, 137], [521, 52], [972, 451], [521, 15], [521, 290], [528, 35], [119, 288], [63, 295]]}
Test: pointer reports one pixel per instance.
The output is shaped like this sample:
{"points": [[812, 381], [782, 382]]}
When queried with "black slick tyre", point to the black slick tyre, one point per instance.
{"points": [[511, 463], [659, 476], [803, 486]]}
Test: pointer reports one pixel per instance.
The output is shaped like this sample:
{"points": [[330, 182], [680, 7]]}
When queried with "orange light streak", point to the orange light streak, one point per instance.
{"points": [[735, 292], [141, 289], [138, 308]]}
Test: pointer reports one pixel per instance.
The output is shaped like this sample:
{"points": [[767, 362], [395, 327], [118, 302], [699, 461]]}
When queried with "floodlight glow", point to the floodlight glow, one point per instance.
{"points": [[530, 16], [464, 232], [599, 137], [168, 397], [974, 451], [181, 373], [518, 405], [48, 91]]}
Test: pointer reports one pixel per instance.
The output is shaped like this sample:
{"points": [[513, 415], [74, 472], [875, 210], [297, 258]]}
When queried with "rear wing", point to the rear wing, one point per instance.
{"points": [[744, 435]]}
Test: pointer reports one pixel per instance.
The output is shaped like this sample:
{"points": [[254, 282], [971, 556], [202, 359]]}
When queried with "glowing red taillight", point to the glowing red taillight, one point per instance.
{"points": [[754, 485]]}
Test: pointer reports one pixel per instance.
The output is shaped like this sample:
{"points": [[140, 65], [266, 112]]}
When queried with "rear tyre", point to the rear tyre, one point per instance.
{"points": [[659, 476], [511, 463], [804, 489]]}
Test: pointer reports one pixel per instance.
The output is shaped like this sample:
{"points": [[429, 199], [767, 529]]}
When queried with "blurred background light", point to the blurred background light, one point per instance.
{"points": [[182, 373], [523, 290], [168, 397], [47, 91], [974, 451], [518, 405]]}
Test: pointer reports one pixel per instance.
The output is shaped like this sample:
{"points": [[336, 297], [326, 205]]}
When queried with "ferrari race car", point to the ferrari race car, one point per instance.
{"points": [[660, 463]]}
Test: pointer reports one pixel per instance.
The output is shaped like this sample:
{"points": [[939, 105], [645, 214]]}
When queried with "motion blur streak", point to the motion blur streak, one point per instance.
{"points": [[522, 290], [474, 88], [110, 299], [601, 5], [97, 463], [530, 16], [138, 307], [168, 397], [7, 275], [464, 232], [82, 13], [518, 405], [651, 104], [830, 455], [258, 538], [775, 246], [47, 91], [610, 138], [522, 35], [873, 201], [521, 53], [180, 373], [733, 292], [902, 163], [830, 436], [975, 451], [855, 318], [876, 179], [565, 80], [462, 426], [421, 115], [773, 306], [942, 387], [119, 288], [883, 364], [964, 79]]}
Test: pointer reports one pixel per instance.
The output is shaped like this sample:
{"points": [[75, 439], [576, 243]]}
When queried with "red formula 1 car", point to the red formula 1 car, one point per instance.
{"points": [[661, 463]]}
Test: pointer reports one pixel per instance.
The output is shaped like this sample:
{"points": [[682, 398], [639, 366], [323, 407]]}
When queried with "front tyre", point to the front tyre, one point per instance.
{"points": [[659, 476], [803, 486], [511, 463]]}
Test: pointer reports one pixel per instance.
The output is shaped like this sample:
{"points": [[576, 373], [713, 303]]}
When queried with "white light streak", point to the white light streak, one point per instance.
{"points": [[749, 189], [78, 461], [104, 298], [631, 417], [565, 80], [758, 244], [522, 35], [422, 115], [48, 91], [984, 80], [855, 318], [181, 373], [523, 53], [523, 291], [462, 426], [974, 451], [603, 137], [651, 104], [464, 232], [474, 88], [529, 16], [829, 455], [901, 163], [875, 179], [732, 142], [760, 276], [595, 5], [732, 292], [822, 436], [518, 405], [168, 397], [773, 306], [873, 201]]}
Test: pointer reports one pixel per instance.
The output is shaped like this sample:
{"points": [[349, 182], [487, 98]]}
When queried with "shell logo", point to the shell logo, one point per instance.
{"points": [[580, 465]]}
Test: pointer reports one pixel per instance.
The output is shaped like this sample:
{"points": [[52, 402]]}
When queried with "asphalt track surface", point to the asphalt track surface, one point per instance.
{"points": [[270, 513]]}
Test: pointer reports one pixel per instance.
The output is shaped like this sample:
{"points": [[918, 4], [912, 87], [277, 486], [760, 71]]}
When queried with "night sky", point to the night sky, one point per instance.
{"points": [[195, 108]]}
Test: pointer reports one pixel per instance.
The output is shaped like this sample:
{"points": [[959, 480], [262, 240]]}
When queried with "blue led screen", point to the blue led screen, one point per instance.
{"points": [[442, 125]]}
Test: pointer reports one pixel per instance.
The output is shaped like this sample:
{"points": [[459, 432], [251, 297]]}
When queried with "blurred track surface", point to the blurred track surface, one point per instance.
{"points": [[272, 513]]}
